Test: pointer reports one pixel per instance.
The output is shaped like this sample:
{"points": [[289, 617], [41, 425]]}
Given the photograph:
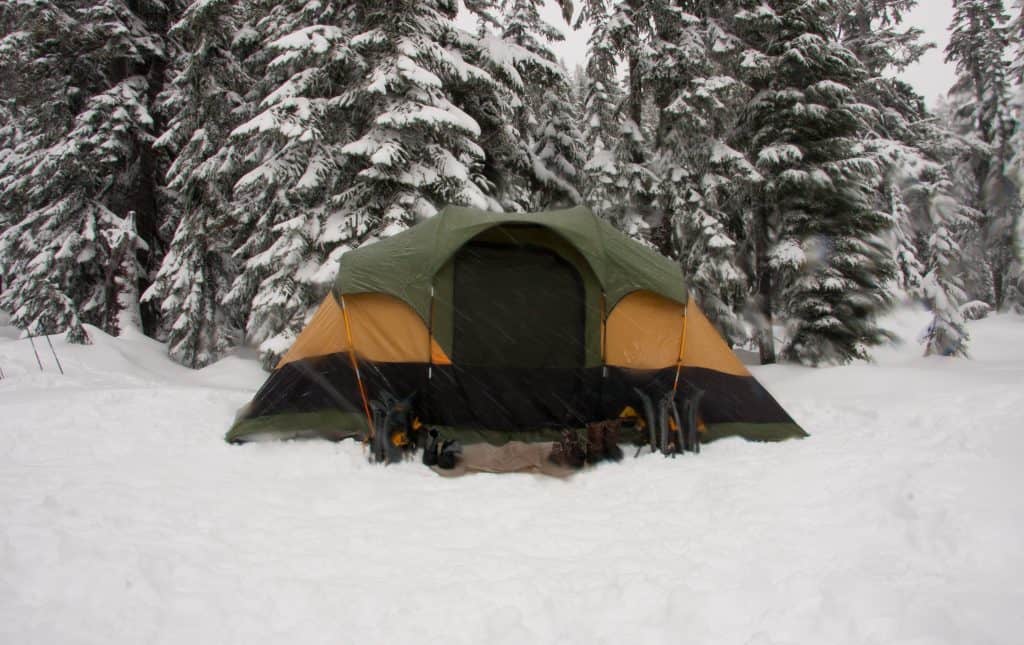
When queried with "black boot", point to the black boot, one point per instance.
{"points": [[430, 450], [449, 454]]}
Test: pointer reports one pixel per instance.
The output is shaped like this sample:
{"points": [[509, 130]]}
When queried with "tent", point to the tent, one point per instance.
{"points": [[502, 328]]}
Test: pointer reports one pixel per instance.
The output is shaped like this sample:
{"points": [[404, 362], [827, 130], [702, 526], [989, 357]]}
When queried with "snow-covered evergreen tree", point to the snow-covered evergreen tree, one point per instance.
{"points": [[818, 231], [932, 202], [620, 182], [630, 29], [523, 26], [207, 100], [558, 151], [601, 117], [85, 177], [909, 267], [10, 139], [546, 160], [359, 133], [704, 181], [981, 101], [419, 149], [875, 32], [1017, 142], [285, 203]]}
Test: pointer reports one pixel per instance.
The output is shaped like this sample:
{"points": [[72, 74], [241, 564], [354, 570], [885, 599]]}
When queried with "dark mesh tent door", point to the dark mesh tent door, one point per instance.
{"points": [[517, 306], [518, 340]]}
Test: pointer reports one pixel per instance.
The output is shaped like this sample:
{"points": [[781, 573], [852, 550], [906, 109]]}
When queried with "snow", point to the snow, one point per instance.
{"points": [[430, 116], [127, 519], [316, 39], [781, 153], [788, 254], [417, 75]]}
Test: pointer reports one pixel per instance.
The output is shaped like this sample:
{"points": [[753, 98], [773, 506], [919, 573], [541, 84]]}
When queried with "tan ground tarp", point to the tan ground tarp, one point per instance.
{"points": [[512, 457]]}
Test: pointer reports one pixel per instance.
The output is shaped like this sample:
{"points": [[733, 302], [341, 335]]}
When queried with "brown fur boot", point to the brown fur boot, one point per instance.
{"points": [[603, 441], [568, 451], [612, 451]]}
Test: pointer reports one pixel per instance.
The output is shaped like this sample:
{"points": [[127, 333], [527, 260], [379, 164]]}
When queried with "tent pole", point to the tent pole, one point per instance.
{"points": [[604, 335], [426, 403], [682, 347], [430, 336], [355, 366]]}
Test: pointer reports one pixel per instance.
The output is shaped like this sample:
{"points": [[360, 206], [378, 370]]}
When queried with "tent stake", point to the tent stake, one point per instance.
{"points": [[32, 340], [54, 354]]}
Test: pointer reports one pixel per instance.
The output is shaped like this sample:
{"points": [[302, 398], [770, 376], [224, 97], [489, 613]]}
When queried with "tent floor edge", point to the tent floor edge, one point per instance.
{"points": [[333, 425], [776, 431]]}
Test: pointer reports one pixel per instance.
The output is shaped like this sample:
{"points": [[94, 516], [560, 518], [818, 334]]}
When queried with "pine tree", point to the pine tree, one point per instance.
{"points": [[207, 100], [630, 31], [286, 201], [940, 220], [359, 134], [10, 139], [621, 184], [704, 180], [601, 117], [875, 32], [419, 149], [981, 96], [523, 26], [821, 258], [558, 150], [1017, 146], [547, 156], [85, 175], [910, 269]]}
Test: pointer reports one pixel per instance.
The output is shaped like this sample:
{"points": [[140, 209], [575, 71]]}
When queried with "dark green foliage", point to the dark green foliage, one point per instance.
{"points": [[79, 187], [206, 99], [806, 130], [982, 109], [223, 165]]}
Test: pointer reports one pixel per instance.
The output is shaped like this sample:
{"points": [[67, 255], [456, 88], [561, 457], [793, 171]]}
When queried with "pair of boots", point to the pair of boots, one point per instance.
{"points": [[599, 443], [603, 441], [443, 454]]}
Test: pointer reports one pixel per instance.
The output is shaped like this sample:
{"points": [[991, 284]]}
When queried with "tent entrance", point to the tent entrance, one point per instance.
{"points": [[518, 335], [518, 306]]}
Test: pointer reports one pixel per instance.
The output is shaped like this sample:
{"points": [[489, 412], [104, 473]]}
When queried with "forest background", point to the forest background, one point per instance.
{"points": [[197, 169]]}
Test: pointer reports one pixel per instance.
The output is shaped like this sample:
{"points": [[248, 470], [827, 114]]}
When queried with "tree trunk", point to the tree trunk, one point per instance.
{"points": [[636, 98], [998, 290], [763, 272], [143, 202], [142, 197]]}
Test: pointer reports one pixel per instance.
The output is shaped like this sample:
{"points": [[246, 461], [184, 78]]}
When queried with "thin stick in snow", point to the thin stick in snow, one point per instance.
{"points": [[32, 340], [54, 354]]}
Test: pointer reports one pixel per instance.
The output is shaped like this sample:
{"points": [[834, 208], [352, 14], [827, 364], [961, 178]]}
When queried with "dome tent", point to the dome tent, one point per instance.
{"points": [[506, 327]]}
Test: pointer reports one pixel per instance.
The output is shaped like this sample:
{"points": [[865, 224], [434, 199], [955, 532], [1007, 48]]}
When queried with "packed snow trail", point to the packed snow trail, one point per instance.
{"points": [[127, 519]]}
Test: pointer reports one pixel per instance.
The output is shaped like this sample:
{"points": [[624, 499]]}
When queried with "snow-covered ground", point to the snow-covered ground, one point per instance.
{"points": [[125, 518]]}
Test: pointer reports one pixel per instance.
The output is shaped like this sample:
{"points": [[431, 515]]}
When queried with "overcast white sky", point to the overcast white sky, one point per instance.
{"points": [[931, 77]]}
